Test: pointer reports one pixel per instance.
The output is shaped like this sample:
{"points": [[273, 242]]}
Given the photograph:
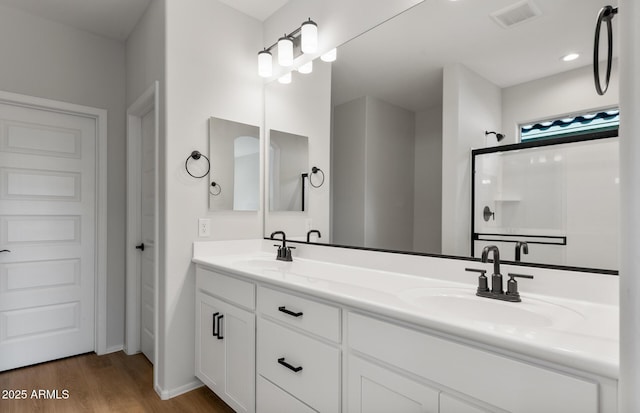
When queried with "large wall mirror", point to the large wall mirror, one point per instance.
{"points": [[412, 97], [234, 152]]}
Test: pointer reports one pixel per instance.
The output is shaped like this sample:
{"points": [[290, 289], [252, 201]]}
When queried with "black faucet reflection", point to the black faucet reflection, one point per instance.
{"points": [[521, 247], [313, 231]]}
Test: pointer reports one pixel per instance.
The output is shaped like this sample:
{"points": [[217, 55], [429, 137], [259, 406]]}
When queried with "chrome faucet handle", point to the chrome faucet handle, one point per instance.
{"points": [[512, 286], [483, 286]]}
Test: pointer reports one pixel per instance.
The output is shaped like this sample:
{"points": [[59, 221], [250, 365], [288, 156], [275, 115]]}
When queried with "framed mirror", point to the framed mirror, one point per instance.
{"points": [[234, 151], [412, 97]]}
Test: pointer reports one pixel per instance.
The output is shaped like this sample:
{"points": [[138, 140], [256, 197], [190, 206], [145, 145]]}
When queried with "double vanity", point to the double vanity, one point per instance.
{"points": [[364, 331]]}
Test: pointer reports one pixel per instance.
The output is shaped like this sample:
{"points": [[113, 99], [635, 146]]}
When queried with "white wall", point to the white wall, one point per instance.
{"points": [[210, 71], [347, 145], [427, 210], [46, 59], [377, 173], [389, 140], [471, 105]]}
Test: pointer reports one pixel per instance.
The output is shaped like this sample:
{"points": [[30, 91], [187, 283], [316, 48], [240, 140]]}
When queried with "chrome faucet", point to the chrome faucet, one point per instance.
{"points": [[496, 278], [496, 291], [313, 231], [284, 252], [521, 246]]}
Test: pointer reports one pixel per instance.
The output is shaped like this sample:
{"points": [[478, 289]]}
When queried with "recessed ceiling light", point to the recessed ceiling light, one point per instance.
{"points": [[570, 57]]}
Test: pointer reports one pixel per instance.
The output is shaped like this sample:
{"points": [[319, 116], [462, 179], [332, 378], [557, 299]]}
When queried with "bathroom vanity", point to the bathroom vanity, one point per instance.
{"points": [[314, 335]]}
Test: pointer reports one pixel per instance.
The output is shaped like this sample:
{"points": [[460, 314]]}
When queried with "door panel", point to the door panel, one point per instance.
{"points": [[147, 228], [47, 221]]}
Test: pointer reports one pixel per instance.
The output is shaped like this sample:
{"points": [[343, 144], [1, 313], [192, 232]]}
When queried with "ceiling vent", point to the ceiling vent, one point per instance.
{"points": [[516, 14]]}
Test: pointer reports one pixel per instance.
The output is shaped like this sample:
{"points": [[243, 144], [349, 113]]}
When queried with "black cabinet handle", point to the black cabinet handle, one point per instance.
{"points": [[289, 366], [213, 325], [220, 317], [5, 251], [140, 247], [289, 312]]}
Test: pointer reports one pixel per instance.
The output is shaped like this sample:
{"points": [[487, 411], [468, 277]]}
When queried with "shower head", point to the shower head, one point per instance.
{"points": [[499, 136]]}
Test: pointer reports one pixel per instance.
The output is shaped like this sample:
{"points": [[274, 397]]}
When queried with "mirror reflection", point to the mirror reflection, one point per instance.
{"points": [[234, 151], [560, 202], [289, 162], [412, 97]]}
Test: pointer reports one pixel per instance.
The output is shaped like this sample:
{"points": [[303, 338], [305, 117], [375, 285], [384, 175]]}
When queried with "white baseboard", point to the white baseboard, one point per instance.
{"points": [[168, 394], [113, 349]]}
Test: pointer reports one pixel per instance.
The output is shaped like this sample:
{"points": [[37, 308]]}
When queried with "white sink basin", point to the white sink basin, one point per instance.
{"points": [[460, 303]]}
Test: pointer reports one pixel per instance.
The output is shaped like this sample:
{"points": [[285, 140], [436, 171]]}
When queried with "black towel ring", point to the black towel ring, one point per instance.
{"points": [[315, 170], [215, 185], [196, 155], [606, 14]]}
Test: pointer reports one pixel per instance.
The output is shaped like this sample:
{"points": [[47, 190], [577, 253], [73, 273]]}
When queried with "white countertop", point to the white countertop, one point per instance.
{"points": [[577, 334]]}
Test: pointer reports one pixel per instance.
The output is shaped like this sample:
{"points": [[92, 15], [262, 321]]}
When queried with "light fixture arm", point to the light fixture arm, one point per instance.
{"points": [[291, 35]]}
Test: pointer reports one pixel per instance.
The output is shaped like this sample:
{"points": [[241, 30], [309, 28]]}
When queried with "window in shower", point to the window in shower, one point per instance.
{"points": [[597, 122]]}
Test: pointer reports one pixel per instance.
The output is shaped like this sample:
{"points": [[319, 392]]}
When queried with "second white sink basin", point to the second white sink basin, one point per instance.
{"points": [[464, 304]]}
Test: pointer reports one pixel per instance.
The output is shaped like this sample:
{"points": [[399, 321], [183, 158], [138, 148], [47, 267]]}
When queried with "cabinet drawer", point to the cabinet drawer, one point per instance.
{"points": [[272, 399], [312, 316], [317, 383], [229, 288], [501, 381]]}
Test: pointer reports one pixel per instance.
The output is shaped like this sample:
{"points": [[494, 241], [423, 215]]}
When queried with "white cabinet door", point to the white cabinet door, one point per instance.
{"points": [[374, 389], [225, 351]]}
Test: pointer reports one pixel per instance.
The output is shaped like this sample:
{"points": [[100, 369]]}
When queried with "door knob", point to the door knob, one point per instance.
{"points": [[140, 247]]}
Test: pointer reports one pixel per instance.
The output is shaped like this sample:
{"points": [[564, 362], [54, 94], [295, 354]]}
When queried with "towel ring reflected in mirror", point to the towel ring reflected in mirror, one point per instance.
{"points": [[314, 171], [196, 155], [212, 189]]}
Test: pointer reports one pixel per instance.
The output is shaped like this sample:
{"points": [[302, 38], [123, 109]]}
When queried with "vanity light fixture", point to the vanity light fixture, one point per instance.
{"points": [[285, 51], [285, 79], [306, 68], [330, 56], [265, 63], [305, 37]]}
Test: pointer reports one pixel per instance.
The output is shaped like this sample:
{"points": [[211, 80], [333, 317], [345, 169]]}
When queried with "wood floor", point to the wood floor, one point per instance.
{"points": [[110, 383]]}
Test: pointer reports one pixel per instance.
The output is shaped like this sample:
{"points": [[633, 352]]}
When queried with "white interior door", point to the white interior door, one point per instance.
{"points": [[48, 222], [147, 229]]}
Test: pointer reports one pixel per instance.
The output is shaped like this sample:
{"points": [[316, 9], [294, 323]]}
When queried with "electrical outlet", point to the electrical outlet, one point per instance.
{"points": [[204, 227]]}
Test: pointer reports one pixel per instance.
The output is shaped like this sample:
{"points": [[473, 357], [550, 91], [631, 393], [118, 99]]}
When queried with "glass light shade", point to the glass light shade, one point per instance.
{"points": [[309, 34], [285, 51], [285, 79], [265, 64], [306, 68], [330, 56]]}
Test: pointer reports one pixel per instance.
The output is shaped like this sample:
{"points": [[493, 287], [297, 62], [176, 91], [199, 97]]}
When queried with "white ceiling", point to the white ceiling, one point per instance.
{"points": [[401, 60], [110, 18], [259, 9]]}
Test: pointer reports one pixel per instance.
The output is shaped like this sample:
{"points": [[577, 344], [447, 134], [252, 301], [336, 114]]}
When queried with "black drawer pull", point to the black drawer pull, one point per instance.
{"points": [[220, 317], [213, 326], [291, 313], [289, 366]]}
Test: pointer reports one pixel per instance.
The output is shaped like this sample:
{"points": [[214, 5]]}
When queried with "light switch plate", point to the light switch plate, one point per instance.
{"points": [[204, 227]]}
